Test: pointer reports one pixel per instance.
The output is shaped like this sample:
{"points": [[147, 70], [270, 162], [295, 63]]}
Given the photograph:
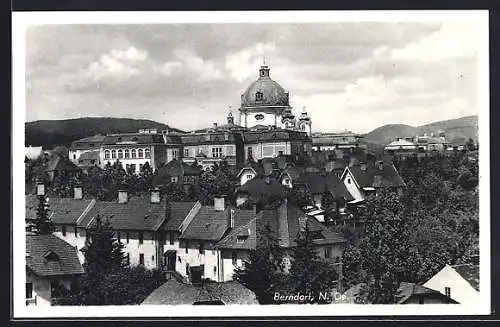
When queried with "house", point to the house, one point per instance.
{"points": [[401, 144], [261, 190], [458, 282], [88, 160], [81, 146], [249, 172], [174, 292], [177, 171], [59, 165], [364, 179], [51, 263], [431, 143], [411, 293], [286, 221], [289, 175], [33, 152]]}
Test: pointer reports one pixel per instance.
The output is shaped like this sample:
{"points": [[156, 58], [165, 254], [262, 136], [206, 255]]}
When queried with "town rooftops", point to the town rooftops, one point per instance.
{"points": [[48, 255], [318, 183], [33, 152], [133, 138], [370, 175], [174, 292], [263, 187], [470, 273], [208, 224], [176, 213], [400, 144], [87, 143], [408, 290], [61, 210], [175, 168], [275, 134], [58, 163], [214, 137], [138, 213]]}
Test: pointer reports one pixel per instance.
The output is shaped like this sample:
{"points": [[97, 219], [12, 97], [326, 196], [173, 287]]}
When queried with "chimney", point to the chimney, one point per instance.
{"points": [[219, 204], [122, 196], [78, 193], [380, 165], [155, 195], [362, 166], [40, 189], [254, 207]]}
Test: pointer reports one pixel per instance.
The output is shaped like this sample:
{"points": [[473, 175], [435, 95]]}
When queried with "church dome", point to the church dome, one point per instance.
{"points": [[264, 92]]}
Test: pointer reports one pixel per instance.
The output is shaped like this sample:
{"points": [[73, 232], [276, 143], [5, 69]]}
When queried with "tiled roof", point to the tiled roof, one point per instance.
{"points": [[273, 135], [37, 248], [407, 290], [87, 142], [294, 172], [133, 138], [374, 177], [258, 189], [61, 210], [210, 138], [176, 293], [253, 165], [470, 273], [176, 214], [31, 204], [208, 224], [136, 214], [318, 183], [249, 242], [89, 155], [59, 163], [175, 168]]}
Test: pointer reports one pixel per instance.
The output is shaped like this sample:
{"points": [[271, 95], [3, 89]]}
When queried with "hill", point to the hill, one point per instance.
{"points": [[456, 130], [50, 133]]}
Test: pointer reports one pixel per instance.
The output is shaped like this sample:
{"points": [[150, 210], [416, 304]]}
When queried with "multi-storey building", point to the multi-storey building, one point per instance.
{"points": [[332, 141]]}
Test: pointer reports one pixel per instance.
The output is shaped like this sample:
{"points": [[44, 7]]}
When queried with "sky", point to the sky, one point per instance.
{"points": [[353, 76]]}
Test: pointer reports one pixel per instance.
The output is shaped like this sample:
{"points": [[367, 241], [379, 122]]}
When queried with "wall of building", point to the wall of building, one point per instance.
{"points": [[350, 184], [129, 161], [41, 287], [460, 290], [250, 120], [268, 149], [133, 248], [226, 263], [74, 155], [77, 240], [190, 256]]}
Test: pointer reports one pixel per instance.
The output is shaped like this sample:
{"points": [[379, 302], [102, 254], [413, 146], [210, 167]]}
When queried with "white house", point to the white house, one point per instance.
{"points": [[459, 282], [51, 263]]}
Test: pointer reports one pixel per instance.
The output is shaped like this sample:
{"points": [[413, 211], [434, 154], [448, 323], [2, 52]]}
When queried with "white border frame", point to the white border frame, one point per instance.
{"points": [[22, 19]]}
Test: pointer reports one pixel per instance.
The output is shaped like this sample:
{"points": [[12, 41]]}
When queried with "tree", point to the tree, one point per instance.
{"points": [[328, 204], [300, 196], [43, 224], [263, 269], [310, 274]]}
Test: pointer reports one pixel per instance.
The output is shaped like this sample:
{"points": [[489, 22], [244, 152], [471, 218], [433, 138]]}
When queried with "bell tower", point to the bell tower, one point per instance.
{"points": [[305, 122]]}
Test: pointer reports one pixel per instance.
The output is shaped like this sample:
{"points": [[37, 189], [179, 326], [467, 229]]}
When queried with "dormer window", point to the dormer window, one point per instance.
{"points": [[240, 239], [259, 95], [51, 256]]}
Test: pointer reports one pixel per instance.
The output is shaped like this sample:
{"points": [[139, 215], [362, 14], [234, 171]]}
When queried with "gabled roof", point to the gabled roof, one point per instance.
{"points": [[292, 172], [318, 183], [136, 214], [89, 155], [175, 168], [407, 290], [87, 142], [208, 224], [176, 213], [258, 170], [261, 188], [48, 255], [400, 143], [470, 273], [388, 176], [133, 138], [176, 293], [58, 163], [245, 226], [61, 210]]}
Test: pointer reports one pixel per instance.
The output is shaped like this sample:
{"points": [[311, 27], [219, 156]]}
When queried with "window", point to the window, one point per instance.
{"points": [[141, 238], [217, 152], [259, 117], [139, 153], [226, 137], [147, 153], [120, 154], [141, 259], [258, 95], [328, 252], [153, 258], [29, 290], [280, 153], [74, 156], [175, 154], [54, 286], [63, 230], [113, 154], [186, 153], [249, 177], [234, 258], [240, 239], [127, 154], [348, 181], [173, 179], [132, 153], [201, 248], [128, 237], [447, 291], [171, 238], [76, 232]]}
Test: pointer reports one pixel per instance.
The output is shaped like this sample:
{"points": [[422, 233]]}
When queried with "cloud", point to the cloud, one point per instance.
{"points": [[455, 39], [117, 64], [204, 70], [241, 64]]}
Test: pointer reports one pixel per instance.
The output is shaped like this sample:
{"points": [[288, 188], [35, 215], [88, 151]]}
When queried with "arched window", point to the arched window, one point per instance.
{"points": [[120, 154], [147, 153], [234, 258], [126, 154], [113, 154], [133, 153], [106, 154], [139, 153]]}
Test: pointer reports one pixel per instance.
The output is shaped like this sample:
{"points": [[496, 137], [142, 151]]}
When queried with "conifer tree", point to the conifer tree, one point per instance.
{"points": [[43, 224]]}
